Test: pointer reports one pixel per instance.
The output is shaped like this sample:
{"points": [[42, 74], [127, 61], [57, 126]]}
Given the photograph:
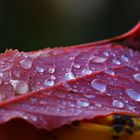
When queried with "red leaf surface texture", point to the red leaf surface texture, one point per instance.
{"points": [[53, 87]]}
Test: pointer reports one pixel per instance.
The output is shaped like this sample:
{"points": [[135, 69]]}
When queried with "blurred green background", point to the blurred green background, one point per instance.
{"points": [[36, 24]]}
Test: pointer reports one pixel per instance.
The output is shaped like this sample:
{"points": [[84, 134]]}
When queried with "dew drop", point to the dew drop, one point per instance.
{"points": [[0, 81], [98, 59], [117, 103], [51, 70], [26, 64], [90, 96], [77, 66], [16, 73], [86, 71], [98, 105], [48, 83], [125, 58], [20, 87], [98, 85], [109, 71], [117, 62], [137, 77], [106, 53], [39, 69], [52, 77], [69, 76], [1, 74], [133, 94], [83, 102]]}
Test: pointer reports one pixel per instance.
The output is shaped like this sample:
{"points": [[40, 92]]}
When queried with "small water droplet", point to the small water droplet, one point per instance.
{"points": [[39, 69], [51, 70], [83, 102], [98, 59], [110, 72], [117, 62], [69, 76], [16, 73], [77, 66], [98, 85], [48, 83], [52, 77], [0, 81], [117, 103], [26, 64], [86, 71], [87, 95], [20, 87], [98, 105], [137, 77], [133, 94], [125, 58], [106, 53], [1, 74]]}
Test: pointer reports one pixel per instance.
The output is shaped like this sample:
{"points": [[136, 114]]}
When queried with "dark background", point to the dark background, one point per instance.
{"points": [[36, 24]]}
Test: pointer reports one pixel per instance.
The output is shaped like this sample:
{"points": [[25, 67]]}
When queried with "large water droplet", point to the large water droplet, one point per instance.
{"points": [[109, 71], [83, 102], [39, 69], [98, 85], [137, 77], [133, 94], [77, 66], [125, 58], [117, 62], [51, 70], [86, 71], [48, 83], [20, 87], [117, 103], [69, 76], [98, 59], [26, 64]]}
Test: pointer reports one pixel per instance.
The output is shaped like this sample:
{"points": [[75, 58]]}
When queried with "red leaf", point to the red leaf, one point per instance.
{"points": [[53, 87]]}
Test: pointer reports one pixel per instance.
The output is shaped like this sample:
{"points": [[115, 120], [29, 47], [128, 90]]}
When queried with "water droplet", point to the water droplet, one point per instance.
{"points": [[16, 73], [83, 102], [125, 58], [106, 53], [117, 62], [0, 81], [69, 76], [51, 70], [1, 74], [20, 87], [137, 77], [48, 83], [77, 66], [109, 71], [133, 94], [52, 77], [117, 103], [98, 105], [87, 95], [39, 69], [98, 85], [26, 64], [98, 59], [86, 71]]}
